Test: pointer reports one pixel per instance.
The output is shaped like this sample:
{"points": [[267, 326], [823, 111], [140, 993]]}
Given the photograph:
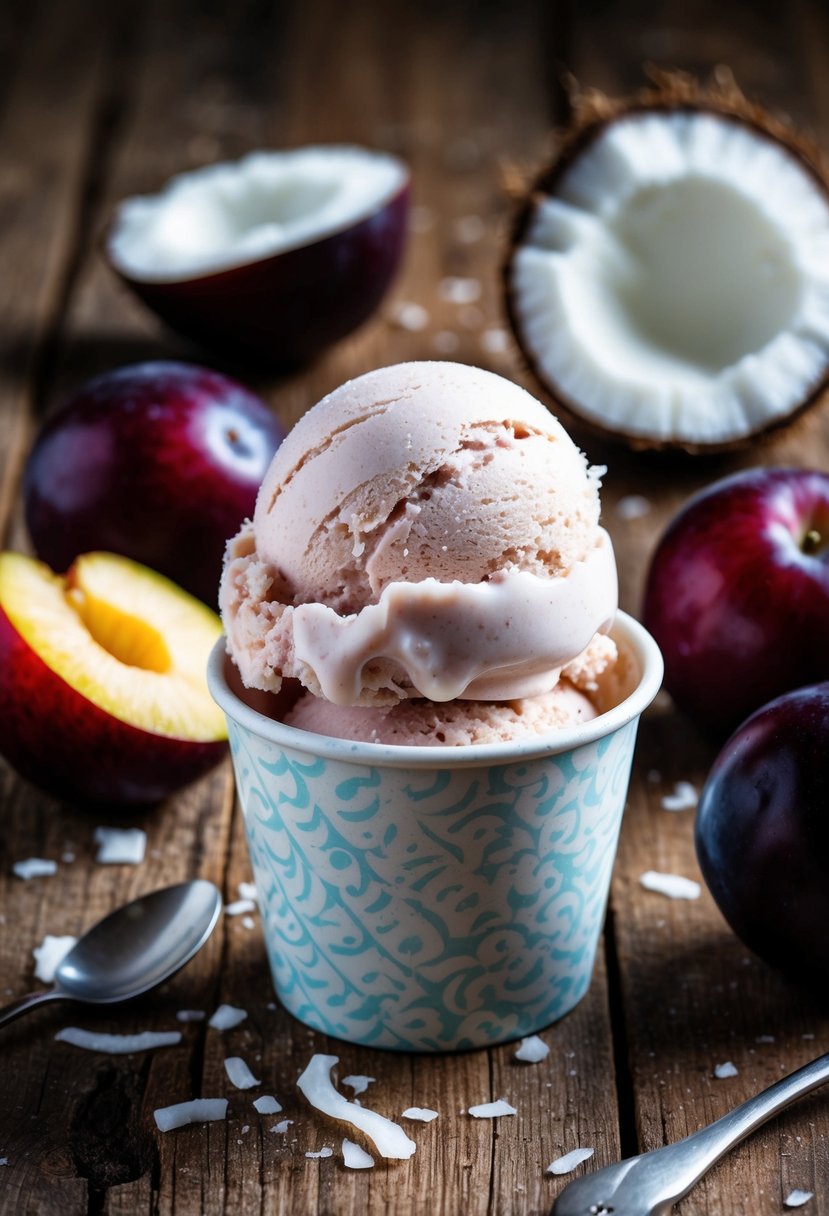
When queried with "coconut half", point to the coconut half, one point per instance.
{"points": [[668, 278], [276, 255]]}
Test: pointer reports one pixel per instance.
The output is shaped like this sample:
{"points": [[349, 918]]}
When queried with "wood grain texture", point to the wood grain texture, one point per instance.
{"points": [[693, 997], [463, 92]]}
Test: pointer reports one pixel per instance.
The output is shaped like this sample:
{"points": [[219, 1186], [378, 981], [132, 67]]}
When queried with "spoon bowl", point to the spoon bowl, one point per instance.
{"points": [[133, 949]]}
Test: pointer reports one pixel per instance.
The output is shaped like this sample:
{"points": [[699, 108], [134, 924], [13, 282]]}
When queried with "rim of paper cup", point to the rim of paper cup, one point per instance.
{"points": [[413, 755]]}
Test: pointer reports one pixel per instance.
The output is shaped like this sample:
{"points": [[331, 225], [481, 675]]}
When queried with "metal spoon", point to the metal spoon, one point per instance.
{"points": [[649, 1185], [132, 950]]}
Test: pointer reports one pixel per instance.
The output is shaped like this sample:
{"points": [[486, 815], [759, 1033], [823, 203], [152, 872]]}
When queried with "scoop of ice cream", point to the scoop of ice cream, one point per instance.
{"points": [[440, 724], [427, 529]]}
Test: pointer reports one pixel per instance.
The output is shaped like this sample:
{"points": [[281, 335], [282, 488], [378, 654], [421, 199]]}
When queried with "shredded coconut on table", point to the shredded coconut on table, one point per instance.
{"points": [[722, 1071], [315, 1084], [356, 1158], [50, 954], [358, 1084], [675, 886], [420, 1112], [120, 846], [632, 506], [532, 1050], [226, 1017], [325, 1151], [683, 798], [796, 1199], [248, 922], [246, 890], [240, 906], [492, 1110], [239, 1074], [410, 316], [117, 1044], [459, 290], [495, 341], [563, 1165], [200, 1110], [35, 867], [282, 1126], [267, 1105]]}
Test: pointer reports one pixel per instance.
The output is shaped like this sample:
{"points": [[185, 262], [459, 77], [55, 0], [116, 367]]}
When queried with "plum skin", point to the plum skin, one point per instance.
{"points": [[738, 599], [762, 833], [159, 462]]}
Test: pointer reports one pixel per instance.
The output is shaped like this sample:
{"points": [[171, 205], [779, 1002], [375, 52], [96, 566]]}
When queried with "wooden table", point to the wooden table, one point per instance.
{"points": [[100, 101]]}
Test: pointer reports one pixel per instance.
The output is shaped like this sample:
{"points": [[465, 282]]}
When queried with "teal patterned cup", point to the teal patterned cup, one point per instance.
{"points": [[435, 898]]}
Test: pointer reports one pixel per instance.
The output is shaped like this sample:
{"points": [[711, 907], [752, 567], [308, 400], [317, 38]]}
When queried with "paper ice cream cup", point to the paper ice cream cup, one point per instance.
{"points": [[435, 898]]}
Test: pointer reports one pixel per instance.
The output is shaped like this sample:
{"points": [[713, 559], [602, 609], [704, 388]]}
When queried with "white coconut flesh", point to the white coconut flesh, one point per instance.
{"points": [[231, 214], [675, 288]]}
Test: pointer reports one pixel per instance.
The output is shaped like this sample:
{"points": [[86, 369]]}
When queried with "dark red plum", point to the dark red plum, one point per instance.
{"points": [[762, 833], [737, 594], [159, 462]]}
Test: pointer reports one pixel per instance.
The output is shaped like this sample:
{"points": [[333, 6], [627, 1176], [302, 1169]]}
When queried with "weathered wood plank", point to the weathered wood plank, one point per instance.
{"points": [[693, 997], [442, 124]]}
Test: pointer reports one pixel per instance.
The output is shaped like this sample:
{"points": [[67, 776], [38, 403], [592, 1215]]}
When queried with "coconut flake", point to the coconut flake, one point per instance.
{"points": [[532, 1050], [722, 1071], [495, 341], [323, 1152], [492, 1110], [796, 1199], [282, 1126], [50, 954], [191, 1015], [315, 1084], [239, 906], [267, 1105], [683, 798], [358, 1084], [356, 1158], [200, 1110], [410, 316], [226, 1017], [460, 291], [422, 1113], [248, 922], [632, 506], [120, 846], [563, 1165], [239, 1074], [247, 890], [117, 1044], [675, 886], [35, 867]]}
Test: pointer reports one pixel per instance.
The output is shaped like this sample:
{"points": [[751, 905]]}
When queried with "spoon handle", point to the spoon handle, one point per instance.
{"points": [[17, 1008]]}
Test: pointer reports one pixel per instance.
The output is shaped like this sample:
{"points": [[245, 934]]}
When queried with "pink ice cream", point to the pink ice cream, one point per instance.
{"points": [[426, 530], [444, 723]]}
